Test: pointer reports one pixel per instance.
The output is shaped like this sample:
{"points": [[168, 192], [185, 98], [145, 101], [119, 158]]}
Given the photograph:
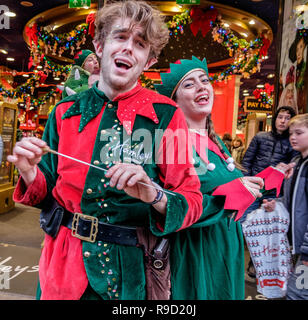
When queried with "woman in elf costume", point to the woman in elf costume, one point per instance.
{"points": [[208, 257]]}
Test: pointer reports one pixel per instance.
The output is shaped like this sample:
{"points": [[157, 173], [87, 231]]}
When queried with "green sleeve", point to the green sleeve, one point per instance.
{"points": [[49, 162], [177, 207], [213, 211]]}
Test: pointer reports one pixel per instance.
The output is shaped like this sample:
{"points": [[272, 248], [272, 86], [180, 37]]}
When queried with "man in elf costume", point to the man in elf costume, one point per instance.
{"points": [[84, 73], [107, 219]]}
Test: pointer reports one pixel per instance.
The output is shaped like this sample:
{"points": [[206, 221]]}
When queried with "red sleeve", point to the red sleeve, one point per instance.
{"points": [[178, 174], [34, 194], [273, 179]]}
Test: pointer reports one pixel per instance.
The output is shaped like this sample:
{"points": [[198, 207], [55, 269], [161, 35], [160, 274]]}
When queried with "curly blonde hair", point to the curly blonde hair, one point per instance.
{"points": [[140, 13]]}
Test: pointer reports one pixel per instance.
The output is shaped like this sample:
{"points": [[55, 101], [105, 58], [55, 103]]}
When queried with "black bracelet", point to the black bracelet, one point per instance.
{"points": [[159, 195]]}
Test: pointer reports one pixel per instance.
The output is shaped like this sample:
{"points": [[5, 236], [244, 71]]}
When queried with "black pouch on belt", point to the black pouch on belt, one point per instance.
{"points": [[51, 217], [157, 266]]}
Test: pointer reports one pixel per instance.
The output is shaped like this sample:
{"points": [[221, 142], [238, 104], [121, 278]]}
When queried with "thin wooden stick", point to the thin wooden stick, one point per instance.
{"points": [[47, 149]]}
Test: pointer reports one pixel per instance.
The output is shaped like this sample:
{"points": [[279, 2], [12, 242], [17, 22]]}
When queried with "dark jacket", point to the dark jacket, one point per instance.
{"points": [[268, 149], [295, 200]]}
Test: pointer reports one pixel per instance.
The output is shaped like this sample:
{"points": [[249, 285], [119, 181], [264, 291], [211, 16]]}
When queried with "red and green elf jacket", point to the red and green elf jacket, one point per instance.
{"points": [[90, 127]]}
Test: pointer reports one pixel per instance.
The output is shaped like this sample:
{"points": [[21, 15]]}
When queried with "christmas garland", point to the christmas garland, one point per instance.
{"points": [[27, 89], [59, 43], [177, 23], [42, 100], [43, 42], [56, 69], [247, 55]]}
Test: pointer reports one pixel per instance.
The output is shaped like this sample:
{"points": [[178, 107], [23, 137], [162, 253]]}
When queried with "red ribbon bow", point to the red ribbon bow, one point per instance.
{"points": [[91, 22], [42, 76], [269, 89], [202, 20], [32, 34], [256, 93]]}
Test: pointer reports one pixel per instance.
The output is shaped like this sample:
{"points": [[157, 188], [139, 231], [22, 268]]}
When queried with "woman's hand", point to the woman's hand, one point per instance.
{"points": [[269, 205], [27, 153], [253, 184]]}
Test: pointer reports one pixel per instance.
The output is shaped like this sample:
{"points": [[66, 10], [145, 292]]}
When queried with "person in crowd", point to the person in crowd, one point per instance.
{"points": [[295, 199], [84, 73], [227, 140], [268, 149], [237, 149], [90, 65], [115, 211], [207, 259]]}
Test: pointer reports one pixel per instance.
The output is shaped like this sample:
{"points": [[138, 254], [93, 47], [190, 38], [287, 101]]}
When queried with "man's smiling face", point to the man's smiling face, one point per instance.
{"points": [[124, 55]]}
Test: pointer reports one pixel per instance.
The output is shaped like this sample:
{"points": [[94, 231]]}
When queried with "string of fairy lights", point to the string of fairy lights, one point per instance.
{"points": [[45, 44], [247, 57]]}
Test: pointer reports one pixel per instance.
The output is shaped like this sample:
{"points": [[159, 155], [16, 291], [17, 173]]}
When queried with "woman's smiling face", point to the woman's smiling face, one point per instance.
{"points": [[195, 95]]}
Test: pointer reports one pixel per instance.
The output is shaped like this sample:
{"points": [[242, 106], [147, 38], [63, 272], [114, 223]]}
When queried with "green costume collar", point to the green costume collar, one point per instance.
{"points": [[88, 103], [138, 101]]}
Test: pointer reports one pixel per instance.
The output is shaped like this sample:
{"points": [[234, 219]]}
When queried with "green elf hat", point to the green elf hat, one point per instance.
{"points": [[81, 57], [172, 79]]}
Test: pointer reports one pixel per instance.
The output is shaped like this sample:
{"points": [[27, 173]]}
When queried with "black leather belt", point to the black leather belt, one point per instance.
{"points": [[88, 228]]}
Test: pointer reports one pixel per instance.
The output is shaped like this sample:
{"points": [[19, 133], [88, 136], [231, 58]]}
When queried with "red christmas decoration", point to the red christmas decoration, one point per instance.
{"points": [[90, 20], [30, 63], [42, 76], [265, 45], [264, 95], [202, 20], [257, 93], [268, 88], [31, 33]]}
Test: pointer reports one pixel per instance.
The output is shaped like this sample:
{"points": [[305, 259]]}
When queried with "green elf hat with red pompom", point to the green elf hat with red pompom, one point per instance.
{"points": [[172, 79], [81, 57]]}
